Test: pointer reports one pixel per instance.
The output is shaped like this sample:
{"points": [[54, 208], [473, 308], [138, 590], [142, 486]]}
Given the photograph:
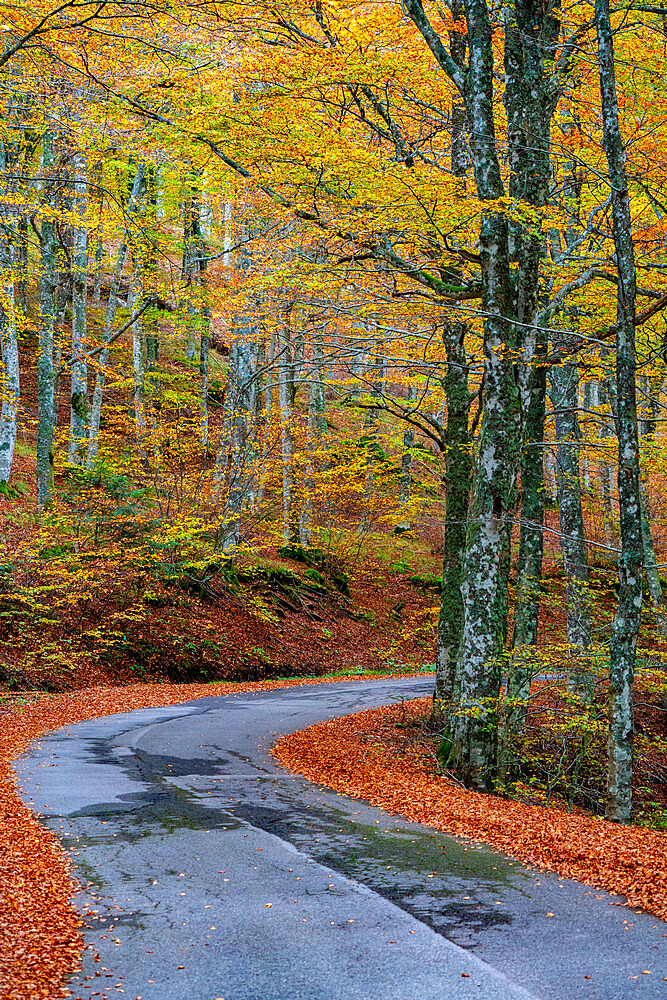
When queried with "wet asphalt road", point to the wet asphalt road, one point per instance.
{"points": [[213, 873]]}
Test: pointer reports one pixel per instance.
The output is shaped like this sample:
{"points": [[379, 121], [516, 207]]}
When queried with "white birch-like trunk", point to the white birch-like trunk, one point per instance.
{"points": [[47, 301], [316, 429], [285, 385], [138, 373], [564, 396], [10, 362], [96, 412], [203, 378], [78, 427], [406, 463]]}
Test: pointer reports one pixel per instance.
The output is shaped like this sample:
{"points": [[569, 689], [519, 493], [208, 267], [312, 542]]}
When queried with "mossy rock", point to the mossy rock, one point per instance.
{"points": [[303, 554], [426, 582], [400, 567], [274, 574], [315, 576]]}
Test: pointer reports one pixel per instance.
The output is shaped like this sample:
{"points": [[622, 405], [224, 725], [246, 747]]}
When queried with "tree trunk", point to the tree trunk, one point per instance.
{"points": [[93, 439], [9, 378], [627, 620], [10, 362], [493, 482], [317, 427], [241, 408], [204, 342], [650, 568], [531, 546], [458, 471], [21, 264], [647, 428], [508, 304], [79, 375], [138, 374], [285, 384], [47, 301], [405, 481], [565, 397]]}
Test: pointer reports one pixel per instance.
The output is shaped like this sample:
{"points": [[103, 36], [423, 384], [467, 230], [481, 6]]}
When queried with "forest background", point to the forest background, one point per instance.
{"points": [[333, 337]]}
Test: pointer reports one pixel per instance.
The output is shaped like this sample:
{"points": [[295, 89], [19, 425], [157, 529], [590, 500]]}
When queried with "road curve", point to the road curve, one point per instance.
{"points": [[213, 873]]}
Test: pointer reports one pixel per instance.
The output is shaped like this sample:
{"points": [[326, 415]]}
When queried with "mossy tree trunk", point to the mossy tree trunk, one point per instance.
{"points": [[112, 306], [531, 547], [47, 320], [627, 620], [564, 385], [458, 468], [78, 428]]}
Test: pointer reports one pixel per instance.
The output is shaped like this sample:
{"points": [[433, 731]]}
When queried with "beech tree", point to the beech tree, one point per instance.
{"points": [[378, 221]]}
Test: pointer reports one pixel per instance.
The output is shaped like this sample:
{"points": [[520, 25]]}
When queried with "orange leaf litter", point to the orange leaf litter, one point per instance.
{"points": [[349, 755], [40, 937]]}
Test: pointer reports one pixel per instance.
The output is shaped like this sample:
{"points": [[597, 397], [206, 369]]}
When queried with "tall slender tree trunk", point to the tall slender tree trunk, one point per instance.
{"points": [[10, 362], [268, 386], [606, 395], [204, 341], [9, 376], [79, 374], [493, 482], [316, 429], [96, 412], [651, 571], [647, 428], [285, 383], [458, 472], [531, 546], [138, 373], [241, 408], [98, 242], [21, 266], [509, 304], [625, 629], [565, 397], [47, 302], [405, 480]]}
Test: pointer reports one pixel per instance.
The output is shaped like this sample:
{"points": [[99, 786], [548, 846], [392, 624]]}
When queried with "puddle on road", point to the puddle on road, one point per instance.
{"points": [[449, 885]]}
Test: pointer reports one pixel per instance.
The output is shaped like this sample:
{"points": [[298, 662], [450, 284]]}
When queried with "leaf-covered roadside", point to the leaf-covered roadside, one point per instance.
{"points": [[40, 937], [352, 756]]}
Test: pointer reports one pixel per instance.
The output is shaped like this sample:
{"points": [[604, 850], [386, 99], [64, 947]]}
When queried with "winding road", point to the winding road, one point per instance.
{"points": [[213, 873]]}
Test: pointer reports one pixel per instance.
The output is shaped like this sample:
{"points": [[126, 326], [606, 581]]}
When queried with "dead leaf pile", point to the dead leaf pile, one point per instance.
{"points": [[351, 755]]}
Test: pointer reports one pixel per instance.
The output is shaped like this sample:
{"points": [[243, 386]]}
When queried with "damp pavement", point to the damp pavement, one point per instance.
{"points": [[214, 874]]}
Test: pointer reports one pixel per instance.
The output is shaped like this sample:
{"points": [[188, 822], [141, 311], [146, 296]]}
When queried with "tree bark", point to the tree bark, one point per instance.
{"points": [[78, 428], [531, 546], [405, 481], [10, 361], [285, 385], [565, 398], [458, 472], [625, 629], [317, 426], [47, 302], [96, 412], [9, 379]]}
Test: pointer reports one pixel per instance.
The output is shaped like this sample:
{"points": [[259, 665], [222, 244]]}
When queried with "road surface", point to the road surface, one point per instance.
{"points": [[213, 873]]}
